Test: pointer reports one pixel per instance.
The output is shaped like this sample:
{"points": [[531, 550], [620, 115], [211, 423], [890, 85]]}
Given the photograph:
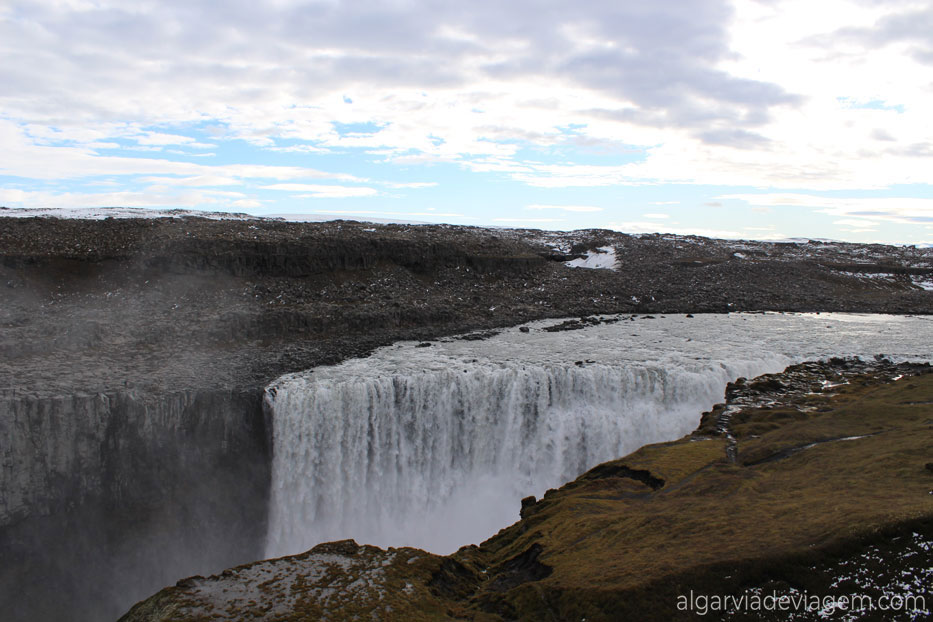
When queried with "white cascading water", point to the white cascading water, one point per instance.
{"points": [[435, 446]]}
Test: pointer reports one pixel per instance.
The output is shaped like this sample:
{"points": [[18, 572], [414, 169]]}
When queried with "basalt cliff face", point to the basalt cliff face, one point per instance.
{"points": [[815, 481], [123, 488], [135, 448]]}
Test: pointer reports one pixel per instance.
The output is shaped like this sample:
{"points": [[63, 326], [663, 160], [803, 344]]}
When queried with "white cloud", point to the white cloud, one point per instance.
{"points": [[314, 191], [746, 233], [442, 84], [866, 210], [21, 157], [194, 180], [160, 139], [395, 213], [867, 225], [528, 220], [411, 185], [149, 198], [565, 208], [773, 95], [246, 203], [655, 227]]}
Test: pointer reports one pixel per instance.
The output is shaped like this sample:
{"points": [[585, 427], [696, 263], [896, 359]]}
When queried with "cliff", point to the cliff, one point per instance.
{"points": [[107, 494]]}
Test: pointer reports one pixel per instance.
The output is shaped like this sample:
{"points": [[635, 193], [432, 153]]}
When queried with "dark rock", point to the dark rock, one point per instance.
{"points": [[609, 469], [523, 568], [452, 580], [189, 581], [527, 504]]}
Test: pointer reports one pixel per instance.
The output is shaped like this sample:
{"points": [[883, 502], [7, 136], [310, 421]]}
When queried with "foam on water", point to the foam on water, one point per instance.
{"points": [[435, 446]]}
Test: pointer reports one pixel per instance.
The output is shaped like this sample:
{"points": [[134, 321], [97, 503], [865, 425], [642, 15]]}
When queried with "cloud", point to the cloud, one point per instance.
{"points": [[411, 185], [789, 96], [194, 180], [22, 157], [528, 220], [867, 211], [909, 26], [315, 191], [733, 137], [148, 198], [246, 203], [158, 138], [655, 227], [260, 74], [565, 208], [382, 213], [855, 222]]}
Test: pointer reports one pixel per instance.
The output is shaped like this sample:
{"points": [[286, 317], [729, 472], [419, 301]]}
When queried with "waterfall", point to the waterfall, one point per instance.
{"points": [[434, 447]]}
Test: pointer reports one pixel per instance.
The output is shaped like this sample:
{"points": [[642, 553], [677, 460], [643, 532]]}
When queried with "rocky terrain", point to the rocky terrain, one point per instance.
{"points": [[135, 352], [813, 481], [176, 303]]}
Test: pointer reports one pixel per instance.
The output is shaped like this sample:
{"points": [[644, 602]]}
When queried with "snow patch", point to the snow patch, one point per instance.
{"points": [[603, 258], [102, 213], [923, 282]]}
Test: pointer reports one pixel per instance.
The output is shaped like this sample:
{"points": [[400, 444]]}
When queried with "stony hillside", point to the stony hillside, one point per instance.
{"points": [[190, 302]]}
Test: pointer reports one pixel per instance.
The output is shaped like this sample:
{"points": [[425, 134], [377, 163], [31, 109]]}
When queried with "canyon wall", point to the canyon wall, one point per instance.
{"points": [[106, 495]]}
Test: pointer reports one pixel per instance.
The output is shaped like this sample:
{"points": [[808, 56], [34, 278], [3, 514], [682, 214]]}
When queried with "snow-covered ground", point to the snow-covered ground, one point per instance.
{"points": [[923, 282], [603, 258], [101, 213], [329, 217]]}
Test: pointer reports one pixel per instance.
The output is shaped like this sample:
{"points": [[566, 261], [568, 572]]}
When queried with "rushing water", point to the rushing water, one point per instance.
{"points": [[435, 446]]}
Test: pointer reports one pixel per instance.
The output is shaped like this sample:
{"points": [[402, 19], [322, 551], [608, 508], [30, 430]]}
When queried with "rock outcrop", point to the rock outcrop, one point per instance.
{"points": [[105, 495]]}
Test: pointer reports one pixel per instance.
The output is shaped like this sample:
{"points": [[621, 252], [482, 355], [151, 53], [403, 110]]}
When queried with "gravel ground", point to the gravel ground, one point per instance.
{"points": [[92, 305]]}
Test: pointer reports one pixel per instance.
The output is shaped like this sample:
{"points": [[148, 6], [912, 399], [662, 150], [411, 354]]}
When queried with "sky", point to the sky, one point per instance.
{"points": [[760, 119]]}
